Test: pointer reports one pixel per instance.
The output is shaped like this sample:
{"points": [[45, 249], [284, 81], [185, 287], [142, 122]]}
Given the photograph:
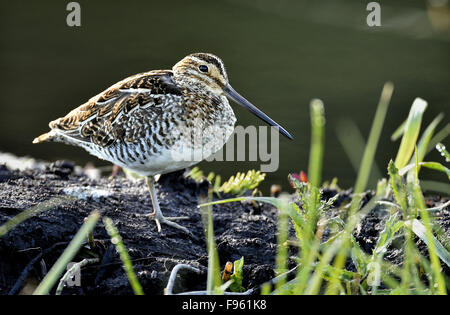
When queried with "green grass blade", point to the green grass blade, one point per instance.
{"points": [[431, 185], [398, 132], [398, 187], [435, 248], [372, 143], [353, 143], [314, 284], [431, 165], [391, 227], [361, 181], [419, 229], [32, 211], [426, 137], [423, 144], [437, 167], [214, 280], [60, 265], [359, 257], [116, 239], [237, 276], [412, 129], [317, 142], [281, 260]]}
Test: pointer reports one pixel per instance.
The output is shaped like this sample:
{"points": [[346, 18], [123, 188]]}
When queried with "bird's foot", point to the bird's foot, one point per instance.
{"points": [[168, 221]]}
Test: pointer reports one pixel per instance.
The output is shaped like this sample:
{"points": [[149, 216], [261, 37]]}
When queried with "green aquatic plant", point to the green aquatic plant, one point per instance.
{"points": [[236, 185]]}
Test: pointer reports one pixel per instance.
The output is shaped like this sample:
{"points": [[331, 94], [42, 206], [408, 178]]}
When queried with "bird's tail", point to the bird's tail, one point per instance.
{"points": [[46, 137]]}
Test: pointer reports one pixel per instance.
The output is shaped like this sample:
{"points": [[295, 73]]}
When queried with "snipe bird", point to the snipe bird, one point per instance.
{"points": [[145, 122]]}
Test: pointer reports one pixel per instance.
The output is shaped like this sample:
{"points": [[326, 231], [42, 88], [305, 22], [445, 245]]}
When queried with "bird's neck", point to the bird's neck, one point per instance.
{"points": [[197, 84]]}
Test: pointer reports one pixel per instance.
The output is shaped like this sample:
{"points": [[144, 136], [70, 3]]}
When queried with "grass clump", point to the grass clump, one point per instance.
{"points": [[336, 264]]}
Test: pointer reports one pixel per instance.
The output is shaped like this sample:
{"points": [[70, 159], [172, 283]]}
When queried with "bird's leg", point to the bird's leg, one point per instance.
{"points": [[157, 214]]}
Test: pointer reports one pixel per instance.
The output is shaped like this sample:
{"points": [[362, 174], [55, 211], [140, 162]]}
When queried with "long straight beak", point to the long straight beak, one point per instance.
{"points": [[235, 96]]}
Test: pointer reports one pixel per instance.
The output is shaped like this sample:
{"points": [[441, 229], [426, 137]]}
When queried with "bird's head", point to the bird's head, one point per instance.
{"points": [[203, 69], [208, 71]]}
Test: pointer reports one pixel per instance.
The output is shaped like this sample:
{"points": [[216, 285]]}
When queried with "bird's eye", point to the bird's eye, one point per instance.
{"points": [[203, 68]]}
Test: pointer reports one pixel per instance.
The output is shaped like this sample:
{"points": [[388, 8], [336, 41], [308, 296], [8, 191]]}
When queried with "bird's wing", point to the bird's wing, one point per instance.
{"points": [[95, 120]]}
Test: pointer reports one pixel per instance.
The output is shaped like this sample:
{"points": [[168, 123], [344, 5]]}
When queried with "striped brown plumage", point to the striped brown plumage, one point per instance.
{"points": [[151, 122]]}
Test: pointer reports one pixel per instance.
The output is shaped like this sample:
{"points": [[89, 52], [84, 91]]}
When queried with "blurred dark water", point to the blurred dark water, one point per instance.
{"points": [[279, 54]]}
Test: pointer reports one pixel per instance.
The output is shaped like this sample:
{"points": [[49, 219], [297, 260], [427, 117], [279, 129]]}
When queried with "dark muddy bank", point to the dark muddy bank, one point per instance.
{"points": [[239, 230], [28, 251]]}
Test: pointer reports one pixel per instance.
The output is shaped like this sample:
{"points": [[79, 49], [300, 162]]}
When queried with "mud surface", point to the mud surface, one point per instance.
{"points": [[28, 251], [239, 231]]}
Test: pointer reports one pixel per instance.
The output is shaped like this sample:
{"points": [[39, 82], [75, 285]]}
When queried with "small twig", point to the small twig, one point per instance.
{"points": [[71, 272], [69, 253], [173, 276], [30, 265], [439, 208], [28, 249]]}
